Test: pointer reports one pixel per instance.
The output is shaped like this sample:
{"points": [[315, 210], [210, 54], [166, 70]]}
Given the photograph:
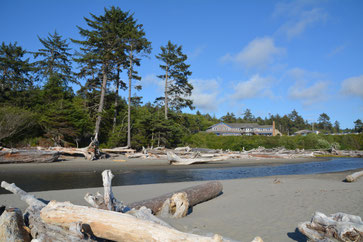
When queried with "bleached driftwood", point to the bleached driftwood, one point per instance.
{"points": [[339, 226], [113, 225], [176, 160], [186, 149], [12, 226], [27, 156], [195, 195], [176, 207], [38, 229], [136, 155], [119, 150], [353, 177]]}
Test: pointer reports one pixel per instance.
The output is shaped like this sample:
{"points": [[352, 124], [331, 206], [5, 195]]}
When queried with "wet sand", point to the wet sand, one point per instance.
{"points": [[270, 207]]}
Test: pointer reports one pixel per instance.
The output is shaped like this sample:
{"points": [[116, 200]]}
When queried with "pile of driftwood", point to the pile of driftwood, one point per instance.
{"points": [[337, 227], [107, 219]]}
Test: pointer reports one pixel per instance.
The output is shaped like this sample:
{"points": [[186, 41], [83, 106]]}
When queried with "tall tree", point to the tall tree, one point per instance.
{"points": [[177, 89], [248, 116], [324, 122], [102, 48], [136, 46], [358, 126], [15, 71], [55, 58], [337, 126]]}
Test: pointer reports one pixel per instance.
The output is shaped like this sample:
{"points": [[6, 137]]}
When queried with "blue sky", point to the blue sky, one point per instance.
{"points": [[268, 56]]}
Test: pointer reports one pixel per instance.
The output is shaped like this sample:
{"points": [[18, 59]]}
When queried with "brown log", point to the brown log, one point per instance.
{"points": [[353, 177], [339, 226], [196, 194], [27, 156], [12, 226], [113, 225]]}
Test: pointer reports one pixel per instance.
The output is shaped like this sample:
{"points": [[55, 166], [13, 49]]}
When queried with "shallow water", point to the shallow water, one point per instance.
{"points": [[72, 180]]}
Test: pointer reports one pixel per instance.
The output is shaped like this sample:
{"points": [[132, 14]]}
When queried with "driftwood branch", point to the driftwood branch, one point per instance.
{"points": [[12, 226], [353, 177], [339, 226], [113, 225], [176, 160]]}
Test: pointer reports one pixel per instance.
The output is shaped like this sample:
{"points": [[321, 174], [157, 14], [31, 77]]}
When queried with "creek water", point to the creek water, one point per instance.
{"points": [[72, 180]]}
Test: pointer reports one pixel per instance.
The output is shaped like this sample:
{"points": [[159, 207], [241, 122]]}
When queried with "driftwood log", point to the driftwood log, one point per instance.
{"points": [[12, 226], [195, 194], [339, 226], [38, 228], [113, 225], [27, 156], [176, 160], [353, 177], [119, 150]]}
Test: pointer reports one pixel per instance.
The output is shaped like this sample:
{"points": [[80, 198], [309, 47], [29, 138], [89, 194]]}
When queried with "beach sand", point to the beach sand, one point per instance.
{"points": [[269, 207]]}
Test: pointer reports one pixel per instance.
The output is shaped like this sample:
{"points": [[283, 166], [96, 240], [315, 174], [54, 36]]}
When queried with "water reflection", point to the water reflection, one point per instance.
{"points": [[70, 180]]}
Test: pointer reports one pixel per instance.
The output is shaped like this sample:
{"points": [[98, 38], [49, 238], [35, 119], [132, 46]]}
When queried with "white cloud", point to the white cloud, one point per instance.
{"points": [[257, 54], [205, 94], [300, 15], [309, 95], [152, 80], [353, 86], [256, 86], [196, 52]]}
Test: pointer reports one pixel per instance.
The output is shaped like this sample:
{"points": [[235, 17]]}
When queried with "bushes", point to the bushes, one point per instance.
{"points": [[311, 141]]}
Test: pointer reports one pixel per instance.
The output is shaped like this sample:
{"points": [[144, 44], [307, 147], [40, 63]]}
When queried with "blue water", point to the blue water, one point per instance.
{"points": [[71, 180]]}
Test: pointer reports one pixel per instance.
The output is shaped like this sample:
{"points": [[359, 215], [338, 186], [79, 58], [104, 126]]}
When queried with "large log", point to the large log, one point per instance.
{"points": [[195, 194], [113, 225], [119, 150], [27, 156], [176, 160], [353, 177], [12, 226], [339, 226]]}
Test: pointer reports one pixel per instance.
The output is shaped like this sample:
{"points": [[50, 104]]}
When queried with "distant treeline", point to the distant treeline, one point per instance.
{"points": [[310, 141], [39, 107]]}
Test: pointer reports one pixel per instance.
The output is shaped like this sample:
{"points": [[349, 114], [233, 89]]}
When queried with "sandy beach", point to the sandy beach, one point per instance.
{"points": [[269, 207]]}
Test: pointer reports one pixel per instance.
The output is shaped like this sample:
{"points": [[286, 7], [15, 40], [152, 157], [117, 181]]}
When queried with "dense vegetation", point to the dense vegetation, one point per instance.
{"points": [[38, 105]]}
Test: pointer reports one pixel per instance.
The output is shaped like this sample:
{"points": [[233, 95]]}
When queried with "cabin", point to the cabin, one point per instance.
{"points": [[238, 129]]}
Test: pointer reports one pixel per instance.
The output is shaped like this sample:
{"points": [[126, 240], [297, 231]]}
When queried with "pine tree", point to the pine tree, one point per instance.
{"points": [[56, 59], [177, 89], [15, 71], [102, 49]]}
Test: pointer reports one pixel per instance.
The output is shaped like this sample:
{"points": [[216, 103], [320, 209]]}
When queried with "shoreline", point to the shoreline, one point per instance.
{"points": [[269, 207]]}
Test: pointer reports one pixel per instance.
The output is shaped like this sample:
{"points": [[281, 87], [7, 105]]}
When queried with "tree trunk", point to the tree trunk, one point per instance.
{"points": [[116, 100], [195, 195], [166, 93], [129, 102], [113, 225], [27, 156], [102, 99]]}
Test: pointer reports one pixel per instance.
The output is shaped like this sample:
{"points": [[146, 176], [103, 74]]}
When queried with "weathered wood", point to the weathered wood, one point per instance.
{"points": [[353, 177], [38, 229], [339, 226], [176, 207], [2, 209], [195, 194], [176, 160], [27, 156], [12, 226], [257, 239], [113, 225], [119, 150]]}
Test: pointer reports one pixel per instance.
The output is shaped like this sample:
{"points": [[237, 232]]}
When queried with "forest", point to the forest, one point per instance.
{"points": [[40, 107]]}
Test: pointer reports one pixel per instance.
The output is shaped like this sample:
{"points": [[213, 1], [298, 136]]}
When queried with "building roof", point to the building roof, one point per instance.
{"points": [[243, 125]]}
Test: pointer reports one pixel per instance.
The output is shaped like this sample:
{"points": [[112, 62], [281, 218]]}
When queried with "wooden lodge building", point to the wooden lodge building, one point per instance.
{"points": [[237, 129]]}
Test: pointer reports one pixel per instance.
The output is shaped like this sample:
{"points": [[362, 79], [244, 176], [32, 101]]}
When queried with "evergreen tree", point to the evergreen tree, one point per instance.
{"points": [[324, 122], [337, 126], [102, 49], [15, 72], [56, 58], [177, 89], [358, 126], [248, 116]]}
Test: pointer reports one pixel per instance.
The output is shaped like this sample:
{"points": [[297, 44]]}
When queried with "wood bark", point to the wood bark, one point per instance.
{"points": [[195, 194], [12, 226], [339, 226], [113, 225], [176, 207], [176, 160], [129, 99], [166, 92], [102, 100], [353, 177], [27, 156]]}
